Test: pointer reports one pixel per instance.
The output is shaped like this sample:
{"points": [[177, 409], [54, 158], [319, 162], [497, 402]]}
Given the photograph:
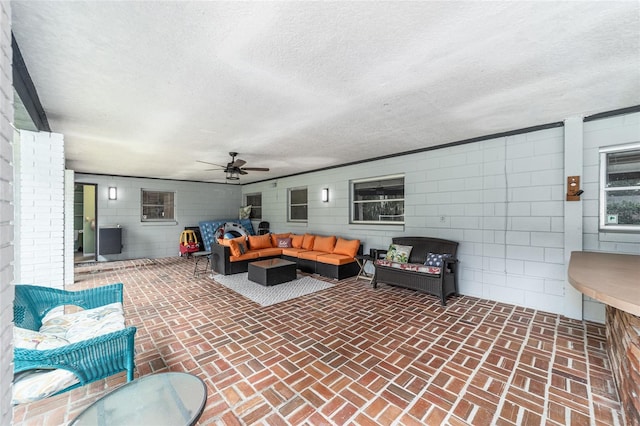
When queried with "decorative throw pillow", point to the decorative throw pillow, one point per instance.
{"points": [[227, 242], [436, 259], [238, 248], [284, 243], [245, 212], [398, 253], [276, 237]]}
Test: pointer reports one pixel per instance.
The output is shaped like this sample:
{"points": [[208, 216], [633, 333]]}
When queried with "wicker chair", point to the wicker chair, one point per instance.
{"points": [[90, 360]]}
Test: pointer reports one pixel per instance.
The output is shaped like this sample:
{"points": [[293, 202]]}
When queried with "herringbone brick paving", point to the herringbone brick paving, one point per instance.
{"points": [[352, 355]]}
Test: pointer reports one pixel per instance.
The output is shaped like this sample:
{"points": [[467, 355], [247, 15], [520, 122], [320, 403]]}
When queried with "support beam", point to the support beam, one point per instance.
{"points": [[573, 152]]}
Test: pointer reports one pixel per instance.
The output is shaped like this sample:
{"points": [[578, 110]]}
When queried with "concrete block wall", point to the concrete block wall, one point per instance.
{"points": [[40, 206], [195, 201], [6, 215], [502, 199]]}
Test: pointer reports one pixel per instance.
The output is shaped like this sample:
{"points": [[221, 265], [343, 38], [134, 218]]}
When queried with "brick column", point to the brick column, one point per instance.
{"points": [[6, 214], [623, 335]]}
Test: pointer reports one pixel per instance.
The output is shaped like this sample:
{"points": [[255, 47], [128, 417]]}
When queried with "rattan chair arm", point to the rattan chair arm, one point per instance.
{"points": [[90, 359]]}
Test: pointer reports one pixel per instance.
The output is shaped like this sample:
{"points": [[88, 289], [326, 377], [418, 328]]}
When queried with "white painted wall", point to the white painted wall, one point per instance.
{"points": [[600, 133], [502, 199], [196, 201], [39, 250], [6, 215]]}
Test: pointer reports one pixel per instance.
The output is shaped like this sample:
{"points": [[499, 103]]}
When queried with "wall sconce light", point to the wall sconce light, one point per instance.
{"points": [[325, 195], [113, 193]]}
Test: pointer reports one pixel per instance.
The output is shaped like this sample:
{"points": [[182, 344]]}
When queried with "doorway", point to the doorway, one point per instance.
{"points": [[85, 222]]}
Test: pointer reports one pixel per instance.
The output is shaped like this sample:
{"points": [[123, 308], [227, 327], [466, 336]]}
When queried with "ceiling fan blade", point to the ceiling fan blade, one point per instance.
{"points": [[256, 169], [239, 163], [211, 164], [242, 172]]}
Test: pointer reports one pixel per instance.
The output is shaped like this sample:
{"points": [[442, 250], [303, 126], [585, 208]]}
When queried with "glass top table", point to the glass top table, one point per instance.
{"points": [[157, 399]]}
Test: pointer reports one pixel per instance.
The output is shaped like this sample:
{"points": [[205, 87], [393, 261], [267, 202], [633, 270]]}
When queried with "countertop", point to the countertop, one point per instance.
{"points": [[611, 278]]}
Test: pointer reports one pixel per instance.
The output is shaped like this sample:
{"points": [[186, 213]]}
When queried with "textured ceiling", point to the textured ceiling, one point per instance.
{"points": [[148, 88]]}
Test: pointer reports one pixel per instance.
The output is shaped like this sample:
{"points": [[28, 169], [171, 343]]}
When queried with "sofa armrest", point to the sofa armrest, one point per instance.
{"points": [[90, 359], [220, 262]]}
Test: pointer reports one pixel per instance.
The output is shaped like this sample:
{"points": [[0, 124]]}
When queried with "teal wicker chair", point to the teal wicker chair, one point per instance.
{"points": [[91, 359]]}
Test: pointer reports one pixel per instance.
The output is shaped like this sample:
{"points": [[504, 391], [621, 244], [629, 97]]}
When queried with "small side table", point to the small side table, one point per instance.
{"points": [[362, 260]]}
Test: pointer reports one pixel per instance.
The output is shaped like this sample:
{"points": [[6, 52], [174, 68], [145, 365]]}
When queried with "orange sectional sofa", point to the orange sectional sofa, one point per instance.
{"points": [[329, 256]]}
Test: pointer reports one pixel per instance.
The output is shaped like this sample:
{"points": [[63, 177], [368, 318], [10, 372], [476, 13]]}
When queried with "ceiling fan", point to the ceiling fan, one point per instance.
{"points": [[234, 168]]}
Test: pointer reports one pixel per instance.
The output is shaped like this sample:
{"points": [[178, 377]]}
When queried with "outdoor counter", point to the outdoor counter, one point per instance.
{"points": [[613, 279]]}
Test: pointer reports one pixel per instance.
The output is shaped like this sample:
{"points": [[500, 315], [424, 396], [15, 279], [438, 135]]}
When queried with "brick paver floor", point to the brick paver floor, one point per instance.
{"points": [[352, 355]]}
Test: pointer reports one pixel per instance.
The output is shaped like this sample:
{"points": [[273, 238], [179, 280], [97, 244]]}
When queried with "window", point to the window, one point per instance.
{"points": [[158, 206], [255, 201], [378, 200], [620, 188], [298, 205]]}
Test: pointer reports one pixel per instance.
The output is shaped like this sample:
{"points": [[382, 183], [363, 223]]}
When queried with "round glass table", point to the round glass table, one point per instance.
{"points": [[157, 399]]}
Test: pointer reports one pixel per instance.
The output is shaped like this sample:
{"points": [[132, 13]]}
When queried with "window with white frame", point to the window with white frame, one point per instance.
{"points": [[157, 206], [297, 205], [255, 201], [378, 200], [620, 188]]}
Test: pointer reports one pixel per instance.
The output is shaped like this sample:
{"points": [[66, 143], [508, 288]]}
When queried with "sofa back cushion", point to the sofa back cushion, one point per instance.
{"points": [[227, 242], [257, 242], [276, 237], [325, 244], [346, 247], [307, 242], [296, 240]]}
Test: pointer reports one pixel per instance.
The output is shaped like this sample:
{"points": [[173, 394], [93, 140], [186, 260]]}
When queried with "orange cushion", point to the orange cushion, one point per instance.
{"points": [[324, 244], [226, 242], [310, 255], [335, 259], [307, 242], [238, 248], [347, 247], [296, 240], [274, 238], [257, 242], [270, 252], [293, 252], [247, 256]]}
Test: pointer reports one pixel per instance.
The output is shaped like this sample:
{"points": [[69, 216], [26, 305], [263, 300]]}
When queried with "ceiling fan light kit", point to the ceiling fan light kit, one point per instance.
{"points": [[234, 168]]}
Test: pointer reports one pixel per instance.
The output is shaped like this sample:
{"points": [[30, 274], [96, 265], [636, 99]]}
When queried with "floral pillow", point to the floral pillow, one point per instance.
{"points": [[398, 253], [245, 212], [436, 259]]}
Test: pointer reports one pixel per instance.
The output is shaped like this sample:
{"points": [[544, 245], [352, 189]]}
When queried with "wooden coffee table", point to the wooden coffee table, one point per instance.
{"points": [[158, 399], [272, 271]]}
